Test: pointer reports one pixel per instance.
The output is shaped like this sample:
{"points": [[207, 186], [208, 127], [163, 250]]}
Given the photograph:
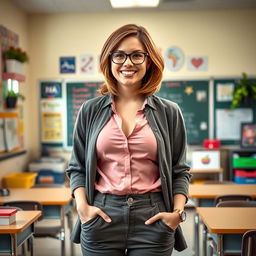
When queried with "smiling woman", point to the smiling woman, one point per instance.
{"points": [[127, 170]]}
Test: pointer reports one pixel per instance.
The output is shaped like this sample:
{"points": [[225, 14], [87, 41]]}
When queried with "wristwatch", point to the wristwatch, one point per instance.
{"points": [[182, 214]]}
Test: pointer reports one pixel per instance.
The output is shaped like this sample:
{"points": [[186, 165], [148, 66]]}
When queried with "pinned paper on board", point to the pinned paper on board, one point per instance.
{"points": [[86, 64]]}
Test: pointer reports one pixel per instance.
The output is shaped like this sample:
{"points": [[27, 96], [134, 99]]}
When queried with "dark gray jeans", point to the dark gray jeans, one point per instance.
{"points": [[127, 234]]}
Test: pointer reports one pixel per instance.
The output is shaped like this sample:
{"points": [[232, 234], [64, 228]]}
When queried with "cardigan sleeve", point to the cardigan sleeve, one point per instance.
{"points": [[76, 166], [180, 169]]}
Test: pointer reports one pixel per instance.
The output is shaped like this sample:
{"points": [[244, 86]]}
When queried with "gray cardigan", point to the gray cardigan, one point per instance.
{"points": [[167, 124]]}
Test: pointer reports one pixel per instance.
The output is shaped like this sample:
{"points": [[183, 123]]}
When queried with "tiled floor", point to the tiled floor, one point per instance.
{"points": [[51, 247]]}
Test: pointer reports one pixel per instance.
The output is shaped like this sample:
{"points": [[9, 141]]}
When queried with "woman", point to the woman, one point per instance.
{"points": [[127, 170]]}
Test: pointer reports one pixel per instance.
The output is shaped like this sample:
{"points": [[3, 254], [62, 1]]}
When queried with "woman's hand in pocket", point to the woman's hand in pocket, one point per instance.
{"points": [[171, 219], [88, 212]]}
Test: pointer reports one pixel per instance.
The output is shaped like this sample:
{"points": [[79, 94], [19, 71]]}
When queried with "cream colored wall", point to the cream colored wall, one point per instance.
{"points": [[17, 21]]}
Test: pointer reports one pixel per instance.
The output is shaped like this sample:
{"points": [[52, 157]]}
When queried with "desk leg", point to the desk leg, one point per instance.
{"points": [[220, 245], [196, 230], [14, 245], [221, 176], [204, 240], [70, 226], [62, 234], [31, 246]]}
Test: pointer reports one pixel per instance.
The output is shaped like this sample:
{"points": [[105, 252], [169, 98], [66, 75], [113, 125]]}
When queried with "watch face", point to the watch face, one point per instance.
{"points": [[183, 216]]}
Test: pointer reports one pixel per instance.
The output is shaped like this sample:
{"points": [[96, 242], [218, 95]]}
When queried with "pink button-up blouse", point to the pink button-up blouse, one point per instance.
{"points": [[127, 165]]}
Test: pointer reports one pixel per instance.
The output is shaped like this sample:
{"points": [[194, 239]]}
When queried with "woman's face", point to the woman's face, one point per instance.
{"points": [[129, 74]]}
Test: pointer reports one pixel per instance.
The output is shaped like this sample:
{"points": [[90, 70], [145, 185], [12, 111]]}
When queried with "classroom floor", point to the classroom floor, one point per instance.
{"points": [[49, 246]]}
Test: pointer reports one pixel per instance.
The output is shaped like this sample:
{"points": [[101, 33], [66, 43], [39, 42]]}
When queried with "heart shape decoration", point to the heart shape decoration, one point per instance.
{"points": [[197, 62]]}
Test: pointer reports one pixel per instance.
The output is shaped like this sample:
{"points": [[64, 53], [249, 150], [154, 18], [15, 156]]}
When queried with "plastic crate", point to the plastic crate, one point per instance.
{"points": [[49, 176], [244, 180], [19, 180], [244, 162], [245, 173]]}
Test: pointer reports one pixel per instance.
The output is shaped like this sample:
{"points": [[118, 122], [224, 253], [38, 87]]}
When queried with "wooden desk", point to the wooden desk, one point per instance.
{"points": [[205, 195], [56, 202], [12, 236], [210, 191], [226, 220]]}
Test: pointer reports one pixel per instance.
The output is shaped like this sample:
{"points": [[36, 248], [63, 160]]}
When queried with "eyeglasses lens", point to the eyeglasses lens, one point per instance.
{"points": [[136, 57]]}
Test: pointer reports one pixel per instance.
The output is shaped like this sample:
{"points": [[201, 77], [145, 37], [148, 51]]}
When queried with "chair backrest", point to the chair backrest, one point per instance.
{"points": [[48, 185], [233, 197], [218, 182], [26, 205], [238, 203], [249, 243]]}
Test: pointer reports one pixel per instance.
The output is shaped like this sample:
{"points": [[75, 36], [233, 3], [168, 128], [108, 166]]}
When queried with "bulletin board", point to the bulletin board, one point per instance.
{"points": [[227, 122], [193, 98], [76, 94]]}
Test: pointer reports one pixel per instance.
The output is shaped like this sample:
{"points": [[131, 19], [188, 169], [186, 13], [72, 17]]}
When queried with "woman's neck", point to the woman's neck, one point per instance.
{"points": [[129, 94]]}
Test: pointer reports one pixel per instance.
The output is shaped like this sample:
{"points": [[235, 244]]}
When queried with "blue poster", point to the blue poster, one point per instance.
{"points": [[67, 65], [51, 90]]}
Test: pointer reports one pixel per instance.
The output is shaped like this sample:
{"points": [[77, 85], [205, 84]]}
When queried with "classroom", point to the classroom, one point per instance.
{"points": [[209, 54]]}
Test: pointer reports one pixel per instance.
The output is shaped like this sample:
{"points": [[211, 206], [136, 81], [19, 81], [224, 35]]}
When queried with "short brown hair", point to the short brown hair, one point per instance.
{"points": [[152, 80]]}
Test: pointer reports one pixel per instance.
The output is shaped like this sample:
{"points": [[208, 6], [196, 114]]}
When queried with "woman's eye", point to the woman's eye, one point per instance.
{"points": [[119, 55], [137, 55]]}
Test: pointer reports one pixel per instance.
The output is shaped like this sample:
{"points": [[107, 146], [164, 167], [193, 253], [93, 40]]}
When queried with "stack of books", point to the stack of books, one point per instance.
{"points": [[7, 216]]}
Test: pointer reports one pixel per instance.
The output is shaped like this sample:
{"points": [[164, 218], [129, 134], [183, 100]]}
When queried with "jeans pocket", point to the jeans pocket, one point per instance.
{"points": [[161, 208], [91, 222]]}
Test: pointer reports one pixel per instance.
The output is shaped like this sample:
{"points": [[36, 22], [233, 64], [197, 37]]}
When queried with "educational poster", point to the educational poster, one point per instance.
{"points": [[86, 64], [51, 117], [225, 92], [174, 58], [228, 122], [11, 133], [67, 65], [51, 127], [197, 63], [52, 112]]}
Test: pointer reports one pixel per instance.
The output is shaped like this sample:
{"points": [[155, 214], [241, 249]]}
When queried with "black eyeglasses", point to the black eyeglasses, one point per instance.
{"points": [[137, 58]]}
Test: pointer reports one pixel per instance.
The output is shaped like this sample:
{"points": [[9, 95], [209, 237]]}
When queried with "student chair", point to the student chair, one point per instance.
{"points": [[238, 203], [249, 243], [235, 197], [56, 231], [218, 182]]}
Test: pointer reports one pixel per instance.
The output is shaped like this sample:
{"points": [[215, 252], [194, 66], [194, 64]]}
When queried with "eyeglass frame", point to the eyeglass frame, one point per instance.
{"points": [[128, 55]]}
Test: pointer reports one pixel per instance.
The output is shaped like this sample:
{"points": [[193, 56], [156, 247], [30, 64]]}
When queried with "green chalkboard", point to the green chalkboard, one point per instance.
{"points": [[76, 94], [227, 122], [193, 99]]}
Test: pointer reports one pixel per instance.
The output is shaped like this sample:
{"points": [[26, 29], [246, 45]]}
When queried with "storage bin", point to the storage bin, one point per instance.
{"points": [[49, 176], [244, 162], [245, 173], [244, 180], [19, 180]]}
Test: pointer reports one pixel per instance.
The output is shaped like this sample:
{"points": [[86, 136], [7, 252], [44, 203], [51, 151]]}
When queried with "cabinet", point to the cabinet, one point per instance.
{"points": [[243, 166]]}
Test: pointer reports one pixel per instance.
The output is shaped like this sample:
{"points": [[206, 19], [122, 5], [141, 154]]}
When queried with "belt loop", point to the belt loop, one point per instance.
{"points": [[152, 201], [103, 198]]}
